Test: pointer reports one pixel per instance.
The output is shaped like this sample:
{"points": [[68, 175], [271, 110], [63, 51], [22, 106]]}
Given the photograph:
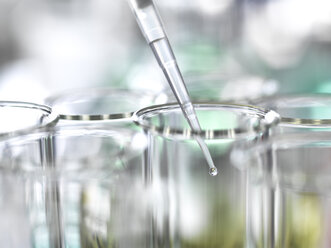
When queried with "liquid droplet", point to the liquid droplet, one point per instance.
{"points": [[213, 171]]}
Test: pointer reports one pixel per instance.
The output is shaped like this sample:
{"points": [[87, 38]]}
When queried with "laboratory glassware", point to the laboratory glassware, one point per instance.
{"points": [[24, 117], [299, 113], [74, 186], [99, 104], [288, 190], [191, 208]]}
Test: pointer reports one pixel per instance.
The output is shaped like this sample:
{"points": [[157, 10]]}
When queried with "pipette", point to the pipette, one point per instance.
{"points": [[151, 27]]}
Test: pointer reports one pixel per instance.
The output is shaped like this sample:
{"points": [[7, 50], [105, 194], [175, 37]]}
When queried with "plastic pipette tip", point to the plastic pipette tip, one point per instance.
{"points": [[213, 171]]}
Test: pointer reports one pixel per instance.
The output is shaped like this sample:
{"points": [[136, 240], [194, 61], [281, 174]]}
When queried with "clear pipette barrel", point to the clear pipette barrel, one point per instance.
{"points": [[151, 26]]}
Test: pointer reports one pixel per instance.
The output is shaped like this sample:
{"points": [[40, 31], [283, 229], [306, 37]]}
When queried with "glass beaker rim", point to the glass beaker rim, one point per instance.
{"points": [[48, 118], [267, 120], [298, 100], [100, 93]]}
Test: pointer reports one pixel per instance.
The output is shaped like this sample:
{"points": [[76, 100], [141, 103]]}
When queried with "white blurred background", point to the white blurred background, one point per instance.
{"points": [[48, 46]]}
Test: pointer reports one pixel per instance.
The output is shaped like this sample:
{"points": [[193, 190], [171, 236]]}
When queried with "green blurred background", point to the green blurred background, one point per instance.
{"points": [[250, 47]]}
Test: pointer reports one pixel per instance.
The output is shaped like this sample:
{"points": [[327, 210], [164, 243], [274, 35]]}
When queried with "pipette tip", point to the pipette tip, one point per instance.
{"points": [[213, 171]]}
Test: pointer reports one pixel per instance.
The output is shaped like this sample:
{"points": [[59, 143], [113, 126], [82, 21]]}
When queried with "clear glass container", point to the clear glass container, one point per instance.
{"points": [[289, 190], [192, 208], [24, 117], [300, 112], [74, 186], [100, 104]]}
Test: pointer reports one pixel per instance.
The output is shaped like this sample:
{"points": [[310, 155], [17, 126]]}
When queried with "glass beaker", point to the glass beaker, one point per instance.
{"points": [[192, 208], [74, 186], [300, 113], [100, 104], [288, 190], [24, 117]]}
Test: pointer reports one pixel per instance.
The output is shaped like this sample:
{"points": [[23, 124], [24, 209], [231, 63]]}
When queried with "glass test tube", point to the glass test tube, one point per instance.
{"points": [[191, 208], [296, 168], [74, 186]]}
